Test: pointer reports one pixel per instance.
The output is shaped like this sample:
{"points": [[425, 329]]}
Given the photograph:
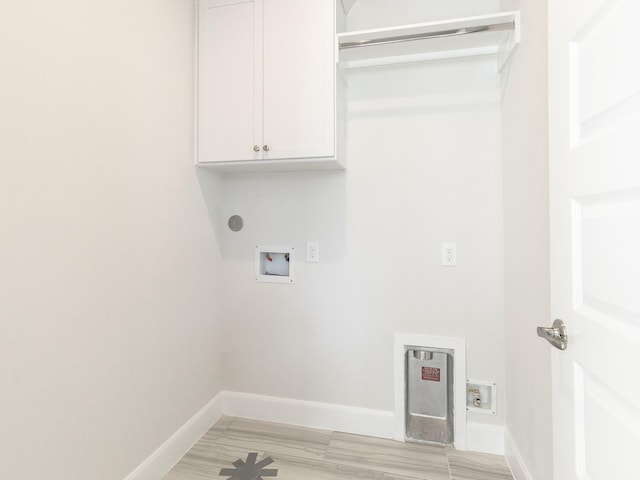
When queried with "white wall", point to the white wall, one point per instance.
{"points": [[526, 225], [112, 275], [423, 167], [384, 13], [109, 295]]}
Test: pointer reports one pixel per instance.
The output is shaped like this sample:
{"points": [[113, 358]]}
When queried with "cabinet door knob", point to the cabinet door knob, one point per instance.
{"points": [[256, 148], [266, 148]]}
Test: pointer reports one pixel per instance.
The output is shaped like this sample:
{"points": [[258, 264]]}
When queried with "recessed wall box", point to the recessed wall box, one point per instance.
{"points": [[481, 397], [274, 264]]}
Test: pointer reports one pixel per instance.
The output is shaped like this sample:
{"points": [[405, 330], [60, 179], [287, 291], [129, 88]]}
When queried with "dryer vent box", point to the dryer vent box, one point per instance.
{"points": [[429, 395], [274, 264]]}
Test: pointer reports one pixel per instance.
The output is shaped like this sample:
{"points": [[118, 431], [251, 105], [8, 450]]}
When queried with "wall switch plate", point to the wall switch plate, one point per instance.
{"points": [[313, 251], [449, 254]]}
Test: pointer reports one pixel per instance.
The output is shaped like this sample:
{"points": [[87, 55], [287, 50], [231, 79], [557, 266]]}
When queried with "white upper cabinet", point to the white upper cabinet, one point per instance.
{"points": [[267, 85], [299, 77], [228, 115]]}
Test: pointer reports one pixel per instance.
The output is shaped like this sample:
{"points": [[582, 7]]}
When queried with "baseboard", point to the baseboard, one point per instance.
{"points": [[485, 438], [170, 452], [516, 463], [363, 421]]}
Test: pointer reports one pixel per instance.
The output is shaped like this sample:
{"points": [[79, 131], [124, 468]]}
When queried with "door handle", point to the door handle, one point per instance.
{"points": [[555, 335]]}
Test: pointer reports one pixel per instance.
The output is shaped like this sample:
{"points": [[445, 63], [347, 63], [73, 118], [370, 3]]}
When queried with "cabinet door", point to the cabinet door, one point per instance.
{"points": [[299, 78], [229, 71]]}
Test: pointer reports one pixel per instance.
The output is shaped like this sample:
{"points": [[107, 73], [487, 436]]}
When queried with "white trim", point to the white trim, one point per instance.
{"points": [[514, 459], [196, 83], [171, 451], [363, 421], [485, 438], [342, 418], [458, 345]]}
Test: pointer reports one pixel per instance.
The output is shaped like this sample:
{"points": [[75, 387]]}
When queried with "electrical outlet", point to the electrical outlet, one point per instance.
{"points": [[313, 252], [449, 254]]}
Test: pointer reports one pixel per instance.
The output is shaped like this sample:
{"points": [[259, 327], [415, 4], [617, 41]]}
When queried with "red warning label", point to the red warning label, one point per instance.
{"points": [[431, 374]]}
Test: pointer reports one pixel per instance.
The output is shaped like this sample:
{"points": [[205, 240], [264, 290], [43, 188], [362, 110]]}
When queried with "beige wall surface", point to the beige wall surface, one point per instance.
{"points": [[526, 242], [116, 269], [109, 265]]}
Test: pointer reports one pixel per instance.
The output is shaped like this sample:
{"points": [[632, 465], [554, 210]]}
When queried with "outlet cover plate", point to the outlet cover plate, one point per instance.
{"points": [[313, 251], [449, 254]]}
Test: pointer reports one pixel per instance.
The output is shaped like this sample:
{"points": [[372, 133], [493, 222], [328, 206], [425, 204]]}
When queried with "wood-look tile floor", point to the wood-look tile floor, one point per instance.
{"points": [[299, 453]]}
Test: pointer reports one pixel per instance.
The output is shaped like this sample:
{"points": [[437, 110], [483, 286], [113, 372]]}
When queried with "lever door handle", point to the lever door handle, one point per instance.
{"points": [[555, 335]]}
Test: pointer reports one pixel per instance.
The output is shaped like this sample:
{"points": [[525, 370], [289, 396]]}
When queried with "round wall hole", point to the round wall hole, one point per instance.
{"points": [[236, 223]]}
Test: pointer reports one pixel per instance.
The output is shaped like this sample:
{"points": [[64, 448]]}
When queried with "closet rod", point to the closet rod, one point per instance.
{"points": [[427, 35]]}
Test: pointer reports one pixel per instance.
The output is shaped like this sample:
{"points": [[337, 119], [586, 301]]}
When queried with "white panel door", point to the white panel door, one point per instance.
{"points": [[229, 80], [594, 114], [299, 78]]}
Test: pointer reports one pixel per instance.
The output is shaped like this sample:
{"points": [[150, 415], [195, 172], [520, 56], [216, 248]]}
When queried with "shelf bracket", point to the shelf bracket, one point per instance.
{"points": [[347, 4]]}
